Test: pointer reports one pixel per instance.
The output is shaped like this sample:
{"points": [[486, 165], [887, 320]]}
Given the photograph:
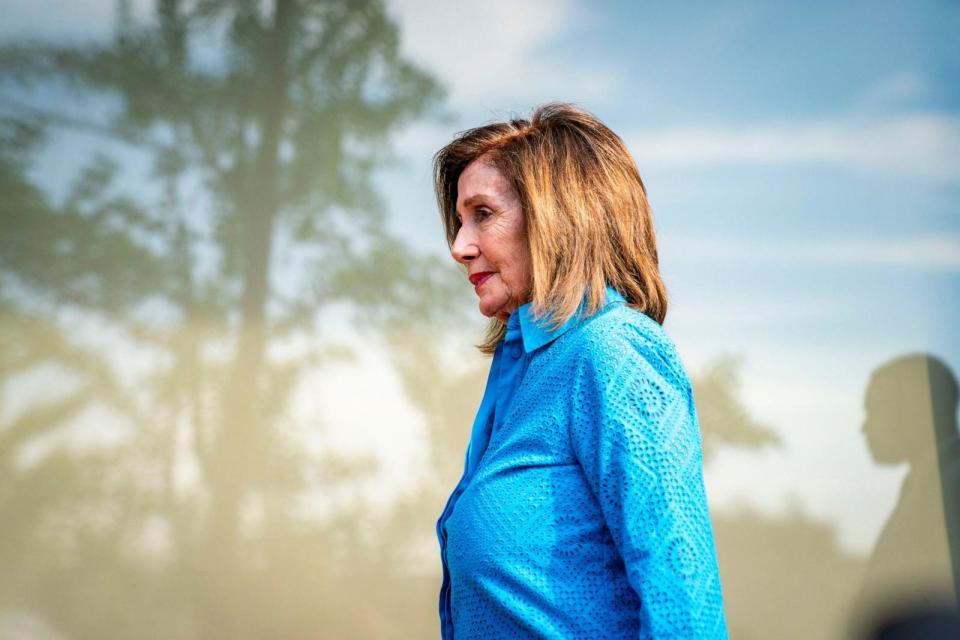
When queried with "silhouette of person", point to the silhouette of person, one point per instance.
{"points": [[911, 404]]}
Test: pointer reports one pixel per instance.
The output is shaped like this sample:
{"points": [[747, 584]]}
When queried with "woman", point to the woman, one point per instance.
{"points": [[581, 512]]}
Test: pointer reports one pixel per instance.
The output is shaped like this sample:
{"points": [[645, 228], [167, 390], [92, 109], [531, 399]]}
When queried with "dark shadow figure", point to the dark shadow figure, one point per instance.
{"points": [[910, 585]]}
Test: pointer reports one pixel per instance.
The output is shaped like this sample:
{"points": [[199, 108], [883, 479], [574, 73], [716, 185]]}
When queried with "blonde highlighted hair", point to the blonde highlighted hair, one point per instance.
{"points": [[585, 207]]}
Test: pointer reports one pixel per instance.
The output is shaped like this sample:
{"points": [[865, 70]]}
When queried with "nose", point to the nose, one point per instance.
{"points": [[464, 247]]}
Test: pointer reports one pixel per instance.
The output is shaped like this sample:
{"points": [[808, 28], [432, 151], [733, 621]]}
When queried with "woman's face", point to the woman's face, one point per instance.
{"points": [[492, 241]]}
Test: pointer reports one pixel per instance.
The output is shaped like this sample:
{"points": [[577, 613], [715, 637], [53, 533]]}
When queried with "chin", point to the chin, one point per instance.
{"points": [[490, 309], [488, 314]]}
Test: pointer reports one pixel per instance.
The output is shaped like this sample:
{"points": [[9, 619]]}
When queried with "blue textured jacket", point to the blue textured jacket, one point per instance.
{"points": [[581, 512]]}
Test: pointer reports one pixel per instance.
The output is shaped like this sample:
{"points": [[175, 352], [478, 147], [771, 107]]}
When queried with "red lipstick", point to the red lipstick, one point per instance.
{"points": [[476, 279]]}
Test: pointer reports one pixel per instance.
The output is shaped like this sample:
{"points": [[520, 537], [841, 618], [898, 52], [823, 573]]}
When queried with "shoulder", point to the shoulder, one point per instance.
{"points": [[621, 343], [626, 371]]}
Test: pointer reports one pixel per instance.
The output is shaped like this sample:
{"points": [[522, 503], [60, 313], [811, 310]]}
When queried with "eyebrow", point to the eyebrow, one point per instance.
{"points": [[472, 200]]}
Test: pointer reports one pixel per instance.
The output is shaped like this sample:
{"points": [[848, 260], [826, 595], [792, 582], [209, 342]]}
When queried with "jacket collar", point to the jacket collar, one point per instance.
{"points": [[537, 333]]}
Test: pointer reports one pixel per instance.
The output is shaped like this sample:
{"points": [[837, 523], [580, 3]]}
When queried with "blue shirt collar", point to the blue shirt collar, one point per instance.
{"points": [[537, 333]]}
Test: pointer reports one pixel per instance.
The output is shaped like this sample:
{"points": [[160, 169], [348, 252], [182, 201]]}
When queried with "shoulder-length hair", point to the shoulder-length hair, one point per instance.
{"points": [[585, 207]]}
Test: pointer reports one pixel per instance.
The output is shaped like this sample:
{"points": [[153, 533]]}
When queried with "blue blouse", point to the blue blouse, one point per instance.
{"points": [[581, 512]]}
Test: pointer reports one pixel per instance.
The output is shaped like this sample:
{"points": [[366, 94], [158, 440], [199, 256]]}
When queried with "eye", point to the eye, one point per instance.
{"points": [[482, 213]]}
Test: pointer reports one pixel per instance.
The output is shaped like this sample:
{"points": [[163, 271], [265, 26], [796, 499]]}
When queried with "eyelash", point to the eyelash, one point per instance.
{"points": [[481, 214]]}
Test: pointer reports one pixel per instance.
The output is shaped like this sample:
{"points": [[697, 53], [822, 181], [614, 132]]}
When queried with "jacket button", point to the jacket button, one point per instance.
{"points": [[516, 352]]}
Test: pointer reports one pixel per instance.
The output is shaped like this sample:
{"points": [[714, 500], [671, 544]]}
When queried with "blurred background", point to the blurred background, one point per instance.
{"points": [[237, 372]]}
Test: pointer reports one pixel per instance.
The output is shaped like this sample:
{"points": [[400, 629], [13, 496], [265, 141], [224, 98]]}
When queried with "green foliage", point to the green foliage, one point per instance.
{"points": [[724, 420], [261, 125]]}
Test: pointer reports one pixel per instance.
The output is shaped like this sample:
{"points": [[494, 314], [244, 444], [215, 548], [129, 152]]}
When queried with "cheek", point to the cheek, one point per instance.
{"points": [[508, 253], [521, 259], [516, 275]]}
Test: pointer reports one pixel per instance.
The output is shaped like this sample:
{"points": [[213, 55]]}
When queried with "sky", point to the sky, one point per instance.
{"points": [[803, 164]]}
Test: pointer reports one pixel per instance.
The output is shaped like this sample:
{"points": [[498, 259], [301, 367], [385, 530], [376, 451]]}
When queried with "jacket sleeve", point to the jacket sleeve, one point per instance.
{"points": [[636, 436]]}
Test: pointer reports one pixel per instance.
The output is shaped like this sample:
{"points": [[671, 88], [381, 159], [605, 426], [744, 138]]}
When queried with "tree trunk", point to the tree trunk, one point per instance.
{"points": [[237, 450]]}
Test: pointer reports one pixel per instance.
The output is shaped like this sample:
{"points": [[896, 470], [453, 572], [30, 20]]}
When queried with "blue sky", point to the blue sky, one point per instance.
{"points": [[803, 162], [790, 150], [742, 61]]}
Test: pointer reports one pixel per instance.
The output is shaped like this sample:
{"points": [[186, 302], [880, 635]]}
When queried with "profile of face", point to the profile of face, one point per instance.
{"points": [[897, 425], [492, 240], [883, 425]]}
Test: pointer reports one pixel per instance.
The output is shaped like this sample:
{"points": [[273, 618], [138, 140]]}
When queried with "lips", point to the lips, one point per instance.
{"points": [[479, 278]]}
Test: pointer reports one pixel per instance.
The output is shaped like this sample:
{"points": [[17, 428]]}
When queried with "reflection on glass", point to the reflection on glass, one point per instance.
{"points": [[188, 206], [160, 315], [911, 404]]}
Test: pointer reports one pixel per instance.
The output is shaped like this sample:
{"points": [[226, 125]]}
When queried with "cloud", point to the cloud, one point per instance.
{"points": [[934, 252], [895, 90], [923, 144], [492, 52]]}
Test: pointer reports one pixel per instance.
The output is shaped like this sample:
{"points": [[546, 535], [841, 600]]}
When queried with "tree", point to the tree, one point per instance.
{"points": [[262, 124]]}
